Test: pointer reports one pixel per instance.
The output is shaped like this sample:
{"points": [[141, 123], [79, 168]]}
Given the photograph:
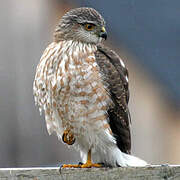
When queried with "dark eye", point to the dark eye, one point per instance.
{"points": [[89, 27]]}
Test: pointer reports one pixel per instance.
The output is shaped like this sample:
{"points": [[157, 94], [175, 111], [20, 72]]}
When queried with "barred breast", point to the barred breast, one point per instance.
{"points": [[68, 87]]}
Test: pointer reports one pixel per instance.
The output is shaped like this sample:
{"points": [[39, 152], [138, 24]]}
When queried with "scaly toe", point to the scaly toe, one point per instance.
{"points": [[70, 166], [90, 165]]}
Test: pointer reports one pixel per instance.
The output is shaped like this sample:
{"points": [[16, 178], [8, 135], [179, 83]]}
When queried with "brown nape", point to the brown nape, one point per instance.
{"points": [[65, 32], [58, 35]]}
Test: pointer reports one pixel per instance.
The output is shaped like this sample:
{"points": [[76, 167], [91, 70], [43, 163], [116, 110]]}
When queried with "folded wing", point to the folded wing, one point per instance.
{"points": [[115, 78]]}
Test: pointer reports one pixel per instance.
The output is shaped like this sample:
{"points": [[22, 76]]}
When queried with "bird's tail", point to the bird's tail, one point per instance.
{"points": [[133, 161], [123, 159]]}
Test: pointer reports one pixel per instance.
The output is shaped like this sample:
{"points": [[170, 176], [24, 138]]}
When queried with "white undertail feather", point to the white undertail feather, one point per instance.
{"points": [[124, 159], [68, 88], [132, 160]]}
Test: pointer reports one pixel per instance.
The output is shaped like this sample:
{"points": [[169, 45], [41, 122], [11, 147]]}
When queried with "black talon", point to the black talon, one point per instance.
{"points": [[73, 141], [80, 163], [60, 168], [63, 138]]}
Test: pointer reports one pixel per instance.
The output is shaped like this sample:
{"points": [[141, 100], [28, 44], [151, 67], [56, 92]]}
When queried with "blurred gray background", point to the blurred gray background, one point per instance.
{"points": [[146, 34]]}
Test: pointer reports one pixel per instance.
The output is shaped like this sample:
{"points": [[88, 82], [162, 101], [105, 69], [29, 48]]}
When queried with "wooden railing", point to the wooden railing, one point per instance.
{"points": [[160, 172]]}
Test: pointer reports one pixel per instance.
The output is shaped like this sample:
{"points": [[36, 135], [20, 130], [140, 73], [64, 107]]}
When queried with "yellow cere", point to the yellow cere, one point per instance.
{"points": [[103, 29]]}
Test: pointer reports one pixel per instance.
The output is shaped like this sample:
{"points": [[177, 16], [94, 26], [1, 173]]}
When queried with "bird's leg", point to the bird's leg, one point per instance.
{"points": [[89, 163], [68, 137]]}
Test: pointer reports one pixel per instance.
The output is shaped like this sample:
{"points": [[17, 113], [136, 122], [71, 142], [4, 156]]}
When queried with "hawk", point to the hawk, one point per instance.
{"points": [[82, 87]]}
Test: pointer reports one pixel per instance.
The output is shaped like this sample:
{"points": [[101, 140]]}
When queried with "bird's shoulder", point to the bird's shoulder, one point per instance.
{"points": [[113, 66]]}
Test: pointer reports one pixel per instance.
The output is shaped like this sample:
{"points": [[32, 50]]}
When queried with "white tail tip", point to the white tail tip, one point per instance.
{"points": [[130, 160]]}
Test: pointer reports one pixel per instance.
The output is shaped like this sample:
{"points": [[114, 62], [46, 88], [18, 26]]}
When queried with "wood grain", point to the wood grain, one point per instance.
{"points": [[159, 172]]}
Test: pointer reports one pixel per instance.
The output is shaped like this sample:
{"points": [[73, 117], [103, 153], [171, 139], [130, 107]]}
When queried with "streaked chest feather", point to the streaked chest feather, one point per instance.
{"points": [[68, 87]]}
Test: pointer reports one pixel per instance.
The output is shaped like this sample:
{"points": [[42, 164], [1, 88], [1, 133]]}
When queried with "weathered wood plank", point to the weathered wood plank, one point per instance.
{"points": [[130, 173]]}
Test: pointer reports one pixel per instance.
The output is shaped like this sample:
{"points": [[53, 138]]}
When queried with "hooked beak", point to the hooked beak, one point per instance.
{"points": [[103, 33]]}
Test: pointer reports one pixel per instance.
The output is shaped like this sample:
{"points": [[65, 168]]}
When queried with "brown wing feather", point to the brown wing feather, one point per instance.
{"points": [[115, 80]]}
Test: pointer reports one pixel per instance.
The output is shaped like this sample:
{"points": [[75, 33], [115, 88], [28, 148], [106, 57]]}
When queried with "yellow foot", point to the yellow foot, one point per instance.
{"points": [[86, 165], [68, 137], [90, 165], [71, 166]]}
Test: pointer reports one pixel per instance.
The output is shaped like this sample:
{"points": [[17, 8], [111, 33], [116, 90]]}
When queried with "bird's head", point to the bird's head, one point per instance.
{"points": [[81, 24]]}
